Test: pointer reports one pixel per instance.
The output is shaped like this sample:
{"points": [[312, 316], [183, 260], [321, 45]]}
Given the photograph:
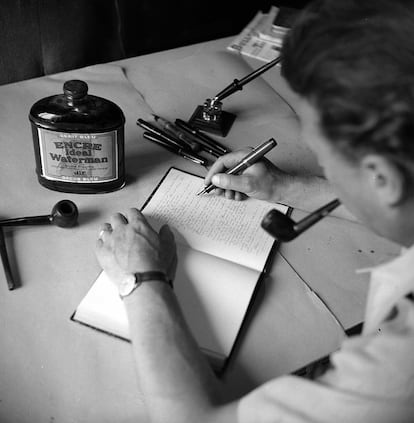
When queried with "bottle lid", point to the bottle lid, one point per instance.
{"points": [[75, 110], [75, 89]]}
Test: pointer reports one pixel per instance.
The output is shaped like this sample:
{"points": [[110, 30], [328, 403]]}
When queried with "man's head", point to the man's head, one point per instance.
{"points": [[352, 64]]}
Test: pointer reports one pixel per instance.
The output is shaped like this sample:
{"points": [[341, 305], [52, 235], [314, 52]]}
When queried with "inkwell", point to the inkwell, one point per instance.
{"points": [[78, 141], [210, 117]]}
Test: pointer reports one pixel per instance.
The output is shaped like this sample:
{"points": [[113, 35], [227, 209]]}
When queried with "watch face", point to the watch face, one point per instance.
{"points": [[127, 285]]}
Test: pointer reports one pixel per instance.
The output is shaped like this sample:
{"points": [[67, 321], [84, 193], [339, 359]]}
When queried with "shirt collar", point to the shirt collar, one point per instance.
{"points": [[389, 282], [401, 267]]}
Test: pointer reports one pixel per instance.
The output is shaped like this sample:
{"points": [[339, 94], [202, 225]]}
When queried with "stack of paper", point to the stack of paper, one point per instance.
{"points": [[263, 36]]}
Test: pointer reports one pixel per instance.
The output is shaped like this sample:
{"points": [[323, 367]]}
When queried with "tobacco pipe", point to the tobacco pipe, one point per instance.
{"points": [[284, 228], [64, 214]]}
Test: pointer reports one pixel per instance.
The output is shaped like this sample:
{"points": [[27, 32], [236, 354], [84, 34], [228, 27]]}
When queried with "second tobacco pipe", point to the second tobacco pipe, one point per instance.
{"points": [[284, 228], [64, 214]]}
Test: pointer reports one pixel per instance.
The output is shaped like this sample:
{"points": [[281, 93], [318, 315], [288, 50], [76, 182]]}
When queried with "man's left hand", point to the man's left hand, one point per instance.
{"points": [[128, 244]]}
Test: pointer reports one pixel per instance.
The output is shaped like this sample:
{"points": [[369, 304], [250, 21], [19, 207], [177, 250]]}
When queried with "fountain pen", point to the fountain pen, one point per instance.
{"points": [[176, 150], [256, 154]]}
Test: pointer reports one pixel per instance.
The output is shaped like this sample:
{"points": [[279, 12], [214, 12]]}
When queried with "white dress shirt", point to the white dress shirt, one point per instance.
{"points": [[372, 375]]}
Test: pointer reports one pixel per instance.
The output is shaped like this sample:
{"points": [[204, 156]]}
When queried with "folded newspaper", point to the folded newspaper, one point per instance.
{"points": [[262, 38]]}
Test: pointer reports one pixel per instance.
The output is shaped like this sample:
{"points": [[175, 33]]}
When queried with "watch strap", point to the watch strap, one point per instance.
{"points": [[152, 275]]}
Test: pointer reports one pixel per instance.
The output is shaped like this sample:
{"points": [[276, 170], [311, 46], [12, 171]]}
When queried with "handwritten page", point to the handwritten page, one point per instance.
{"points": [[211, 224]]}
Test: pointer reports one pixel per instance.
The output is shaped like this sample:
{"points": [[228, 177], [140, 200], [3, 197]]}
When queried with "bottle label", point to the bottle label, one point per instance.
{"points": [[78, 158]]}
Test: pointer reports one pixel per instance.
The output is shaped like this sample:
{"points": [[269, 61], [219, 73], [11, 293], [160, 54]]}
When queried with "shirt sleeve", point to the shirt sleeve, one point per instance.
{"points": [[371, 380]]}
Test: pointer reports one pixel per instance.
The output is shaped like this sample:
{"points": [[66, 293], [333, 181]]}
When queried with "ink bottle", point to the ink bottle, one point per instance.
{"points": [[78, 141]]}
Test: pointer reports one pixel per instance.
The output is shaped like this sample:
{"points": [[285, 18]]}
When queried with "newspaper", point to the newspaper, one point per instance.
{"points": [[260, 39]]}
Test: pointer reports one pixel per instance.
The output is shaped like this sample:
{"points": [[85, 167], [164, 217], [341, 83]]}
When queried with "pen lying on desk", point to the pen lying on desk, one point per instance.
{"points": [[174, 145], [174, 149], [256, 154], [159, 133], [185, 136], [202, 138]]}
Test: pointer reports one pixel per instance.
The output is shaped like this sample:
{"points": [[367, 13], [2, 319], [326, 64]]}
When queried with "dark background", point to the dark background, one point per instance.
{"points": [[39, 37]]}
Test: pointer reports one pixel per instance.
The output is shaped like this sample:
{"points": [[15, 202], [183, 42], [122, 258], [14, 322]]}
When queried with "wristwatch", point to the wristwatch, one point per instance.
{"points": [[134, 280]]}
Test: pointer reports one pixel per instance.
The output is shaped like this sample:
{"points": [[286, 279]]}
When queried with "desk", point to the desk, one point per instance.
{"points": [[54, 370]]}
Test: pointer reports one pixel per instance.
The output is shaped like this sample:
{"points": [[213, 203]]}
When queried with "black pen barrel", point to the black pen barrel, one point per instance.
{"points": [[252, 157], [202, 138], [152, 137], [179, 151], [159, 133], [237, 85], [259, 71], [188, 139]]}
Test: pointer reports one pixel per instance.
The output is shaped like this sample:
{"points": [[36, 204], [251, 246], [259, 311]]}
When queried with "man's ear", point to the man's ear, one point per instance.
{"points": [[386, 178]]}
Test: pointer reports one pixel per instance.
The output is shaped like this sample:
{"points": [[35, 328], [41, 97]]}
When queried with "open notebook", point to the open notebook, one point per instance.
{"points": [[222, 254]]}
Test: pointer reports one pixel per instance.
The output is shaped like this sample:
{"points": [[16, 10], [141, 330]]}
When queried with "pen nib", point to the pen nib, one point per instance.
{"points": [[201, 192]]}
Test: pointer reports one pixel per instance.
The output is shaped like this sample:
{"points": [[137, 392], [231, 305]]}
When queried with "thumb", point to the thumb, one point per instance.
{"points": [[166, 236], [169, 251], [239, 183]]}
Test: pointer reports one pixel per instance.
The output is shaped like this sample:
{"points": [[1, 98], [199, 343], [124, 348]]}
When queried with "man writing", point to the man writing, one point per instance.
{"points": [[352, 65]]}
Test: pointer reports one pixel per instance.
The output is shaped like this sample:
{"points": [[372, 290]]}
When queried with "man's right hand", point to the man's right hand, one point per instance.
{"points": [[263, 180]]}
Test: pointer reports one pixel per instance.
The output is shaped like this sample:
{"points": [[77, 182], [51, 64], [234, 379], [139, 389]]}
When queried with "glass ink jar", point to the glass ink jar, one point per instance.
{"points": [[78, 141]]}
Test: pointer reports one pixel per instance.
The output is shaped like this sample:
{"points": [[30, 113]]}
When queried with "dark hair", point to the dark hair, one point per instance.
{"points": [[354, 61]]}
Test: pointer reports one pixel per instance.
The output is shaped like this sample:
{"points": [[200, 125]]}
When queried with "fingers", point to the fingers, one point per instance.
{"points": [[241, 183], [225, 162], [134, 219], [233, 195], [118, 219], [240, 196], [140, 224], [105, 229]]}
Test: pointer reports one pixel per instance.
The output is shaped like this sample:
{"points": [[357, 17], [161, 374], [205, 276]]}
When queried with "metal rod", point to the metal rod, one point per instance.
{"points": [[5, 260]]}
